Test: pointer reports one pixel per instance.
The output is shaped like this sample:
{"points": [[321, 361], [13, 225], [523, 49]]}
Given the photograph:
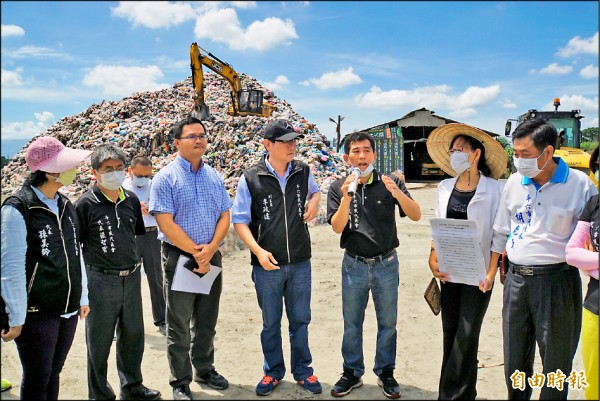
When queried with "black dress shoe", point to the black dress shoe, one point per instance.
{"points": [[140, 392], [182, 392], [214, 380]]}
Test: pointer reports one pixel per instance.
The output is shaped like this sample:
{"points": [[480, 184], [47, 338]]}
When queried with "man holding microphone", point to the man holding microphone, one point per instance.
{"points": [[363, 211]]}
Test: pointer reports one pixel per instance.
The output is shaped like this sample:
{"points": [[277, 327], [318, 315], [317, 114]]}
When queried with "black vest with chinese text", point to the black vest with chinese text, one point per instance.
{"points": [[52, 264], [277, 219]]}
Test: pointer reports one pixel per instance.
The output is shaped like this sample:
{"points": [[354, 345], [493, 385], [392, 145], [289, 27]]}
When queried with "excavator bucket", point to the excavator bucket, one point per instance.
{"points": [[200, 111]]}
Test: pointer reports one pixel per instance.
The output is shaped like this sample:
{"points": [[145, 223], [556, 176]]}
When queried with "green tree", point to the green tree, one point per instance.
{"points": [[508, 149], [5, 161], [589, 134]]}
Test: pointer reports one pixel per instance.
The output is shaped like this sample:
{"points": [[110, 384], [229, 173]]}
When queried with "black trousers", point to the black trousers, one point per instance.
{"points": [[43, 346], [191, 322], [114, 302], [149, 247], [545, 309], [463, 310]]}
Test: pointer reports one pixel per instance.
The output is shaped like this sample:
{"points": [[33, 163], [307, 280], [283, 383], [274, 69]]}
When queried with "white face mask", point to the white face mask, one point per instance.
{"points": [[460, 162], [367, 171], [113, 180], [528, 167], [140, 181]]}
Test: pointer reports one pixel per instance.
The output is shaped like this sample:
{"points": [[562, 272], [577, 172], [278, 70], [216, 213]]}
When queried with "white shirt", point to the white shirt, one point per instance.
{"points": [[481, 209], [541, 221], [143, 194]]}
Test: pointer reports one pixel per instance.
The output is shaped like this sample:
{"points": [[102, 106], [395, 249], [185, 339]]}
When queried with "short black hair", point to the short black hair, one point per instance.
{"points": [[542, 133], [104, 152], [141, 160], [177, 129], [36, 179], [357, 137]]}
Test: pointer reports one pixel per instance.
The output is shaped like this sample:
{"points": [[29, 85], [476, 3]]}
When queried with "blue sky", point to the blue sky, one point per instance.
{"points": [[370, 62]]}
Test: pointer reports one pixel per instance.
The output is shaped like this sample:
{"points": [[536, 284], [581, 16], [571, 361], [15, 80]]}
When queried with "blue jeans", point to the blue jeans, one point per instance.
{"points": [[357, 280], [291, 283]]}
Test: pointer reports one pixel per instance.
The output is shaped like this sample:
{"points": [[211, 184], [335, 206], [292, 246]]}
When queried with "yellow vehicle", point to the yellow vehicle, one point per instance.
{"points": [[568, 125], [244, 102]]}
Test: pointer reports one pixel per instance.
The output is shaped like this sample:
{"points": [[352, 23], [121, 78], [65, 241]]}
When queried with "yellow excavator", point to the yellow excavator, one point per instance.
{"points": [[568, 125], [244, 102]]}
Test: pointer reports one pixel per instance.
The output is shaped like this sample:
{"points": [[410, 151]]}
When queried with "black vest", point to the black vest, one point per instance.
{"points": [[52, 265], [277, 219]]}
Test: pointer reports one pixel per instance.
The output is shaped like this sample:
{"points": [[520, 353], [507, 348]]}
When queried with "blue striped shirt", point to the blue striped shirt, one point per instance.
{"points": [[14, 248], [196, 199]]}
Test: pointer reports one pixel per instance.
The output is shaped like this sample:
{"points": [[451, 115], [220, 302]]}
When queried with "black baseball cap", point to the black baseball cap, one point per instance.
{"points": [[281, 130]]}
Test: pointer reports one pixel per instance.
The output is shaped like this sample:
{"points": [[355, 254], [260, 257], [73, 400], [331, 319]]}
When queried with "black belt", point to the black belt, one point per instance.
{"points": [[532, 270], [373, 260], [121, 273], [153, 228]]}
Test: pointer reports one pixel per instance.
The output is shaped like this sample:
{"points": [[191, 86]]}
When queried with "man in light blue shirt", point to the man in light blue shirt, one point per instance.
{"points": [[274, 200], [191, 206]]}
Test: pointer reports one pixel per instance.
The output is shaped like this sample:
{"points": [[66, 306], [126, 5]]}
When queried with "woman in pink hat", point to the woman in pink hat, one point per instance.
{"points": [[44, 287]]}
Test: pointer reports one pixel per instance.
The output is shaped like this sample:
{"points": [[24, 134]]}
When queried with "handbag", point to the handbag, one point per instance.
{"points": [[503, 266], [433, 296], [3, 316]]}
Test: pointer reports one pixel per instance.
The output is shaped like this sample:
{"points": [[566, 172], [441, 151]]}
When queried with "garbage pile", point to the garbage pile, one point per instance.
{"points": [[140, 124]]}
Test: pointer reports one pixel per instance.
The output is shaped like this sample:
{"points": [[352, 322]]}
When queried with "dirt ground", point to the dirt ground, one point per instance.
{"points": [[238, 353]]}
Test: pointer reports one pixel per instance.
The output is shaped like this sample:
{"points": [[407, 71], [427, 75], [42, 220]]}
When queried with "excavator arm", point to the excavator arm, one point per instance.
{"points": [[244, 102]]}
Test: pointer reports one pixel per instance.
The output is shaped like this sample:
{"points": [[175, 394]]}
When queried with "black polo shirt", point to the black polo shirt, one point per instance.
{"points": [[108, 229], [371, 229]]}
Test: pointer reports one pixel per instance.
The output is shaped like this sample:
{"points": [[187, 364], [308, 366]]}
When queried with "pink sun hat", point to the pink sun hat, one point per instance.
{"points": [[50, 155]]}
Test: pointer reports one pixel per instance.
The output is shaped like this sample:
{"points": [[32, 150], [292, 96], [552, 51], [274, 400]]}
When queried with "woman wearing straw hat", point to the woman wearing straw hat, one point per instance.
{"points": [[43, 282], [475, 161]]}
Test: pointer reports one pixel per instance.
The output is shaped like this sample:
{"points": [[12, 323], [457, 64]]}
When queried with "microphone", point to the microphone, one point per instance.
{"points": [[354, 184]]}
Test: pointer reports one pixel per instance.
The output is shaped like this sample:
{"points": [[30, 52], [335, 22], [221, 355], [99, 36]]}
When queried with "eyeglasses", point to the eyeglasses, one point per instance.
{"points": [[109, 170], [461, 149], [194, 137]]}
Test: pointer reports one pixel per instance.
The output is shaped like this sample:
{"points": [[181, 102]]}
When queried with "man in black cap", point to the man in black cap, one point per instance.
{"points": [[274, 201]]}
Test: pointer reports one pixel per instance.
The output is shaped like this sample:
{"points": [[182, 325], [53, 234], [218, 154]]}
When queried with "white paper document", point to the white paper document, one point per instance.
{"points": [[458, 250], [187, 281]]}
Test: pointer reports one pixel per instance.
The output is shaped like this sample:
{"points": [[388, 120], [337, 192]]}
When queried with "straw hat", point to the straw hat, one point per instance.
{"points": [[438, 144]]}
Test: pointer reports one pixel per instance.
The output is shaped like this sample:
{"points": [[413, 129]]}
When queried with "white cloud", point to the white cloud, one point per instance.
{"points": [[154, 14], [223, 26], [11, 30], [33, 51], [589, 71], [28, 129], [591, 123], [243, 4], [462, 113], [575, 102], [123, 81], [170, 64], [278, 83], [12, 78], [335, 79], [430, 97], [588, 107], [555, 69], [579, 45], [508, 104]]}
